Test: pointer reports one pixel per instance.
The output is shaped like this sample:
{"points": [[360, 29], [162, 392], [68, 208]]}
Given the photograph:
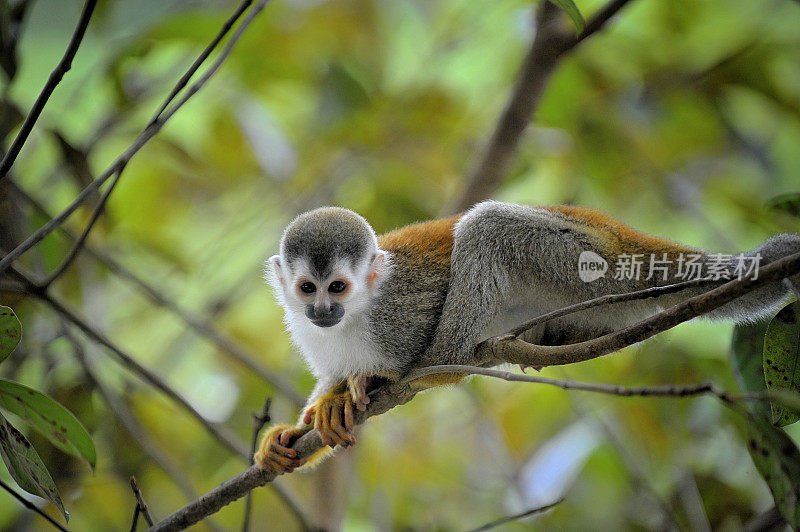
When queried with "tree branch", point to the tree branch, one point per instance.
{"points": [[220, 432], [55, 78], [148, 133], [672, 390], [259, 420], [202, 326], [32, 507], [202, 57], [143, 509], [76, 248], [381, 401], [647, 293], [507, 348], [551, 42], [389, 396]]}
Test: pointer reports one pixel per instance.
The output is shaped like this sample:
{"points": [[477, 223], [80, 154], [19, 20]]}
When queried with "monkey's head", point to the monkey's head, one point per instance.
{"points": [[329, 266]]}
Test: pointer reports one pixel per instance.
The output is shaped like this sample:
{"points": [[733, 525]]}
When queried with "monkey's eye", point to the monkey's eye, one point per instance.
{"points": [[308, 288], [337, 287]]}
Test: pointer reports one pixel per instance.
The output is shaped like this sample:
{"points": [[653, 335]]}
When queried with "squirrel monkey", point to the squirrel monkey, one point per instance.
{"points": [[362, 309]]}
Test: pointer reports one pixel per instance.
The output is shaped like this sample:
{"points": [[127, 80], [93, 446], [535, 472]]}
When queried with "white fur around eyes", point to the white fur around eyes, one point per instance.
{"points": [[331, 352]]}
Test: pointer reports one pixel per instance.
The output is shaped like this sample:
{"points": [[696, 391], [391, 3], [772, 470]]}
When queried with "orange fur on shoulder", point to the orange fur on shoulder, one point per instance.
{"points": [[431, 241]]}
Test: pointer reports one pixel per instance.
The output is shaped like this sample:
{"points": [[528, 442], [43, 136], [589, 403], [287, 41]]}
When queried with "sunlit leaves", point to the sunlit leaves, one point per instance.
{"points": [[778, 460], [786, 203], [25, 466], [781, 359], [574, 13], [54, 421], [746, 349], [775, 455], [10, 331]]}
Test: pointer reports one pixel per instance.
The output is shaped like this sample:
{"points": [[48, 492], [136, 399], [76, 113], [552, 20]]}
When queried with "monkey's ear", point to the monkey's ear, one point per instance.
{"points": [[377, 268], [275, 263]]}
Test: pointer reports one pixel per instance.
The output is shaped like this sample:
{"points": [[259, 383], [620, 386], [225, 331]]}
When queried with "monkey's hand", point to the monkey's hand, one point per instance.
{"points": [[357, 385], [274, 453], [332, 416]]}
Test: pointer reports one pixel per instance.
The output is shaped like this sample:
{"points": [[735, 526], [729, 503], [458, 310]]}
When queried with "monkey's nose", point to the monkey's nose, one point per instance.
{"points": [[325, 315]]}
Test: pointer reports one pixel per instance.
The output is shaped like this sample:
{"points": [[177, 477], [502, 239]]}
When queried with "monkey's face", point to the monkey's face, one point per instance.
{"points": [[326, 299]]}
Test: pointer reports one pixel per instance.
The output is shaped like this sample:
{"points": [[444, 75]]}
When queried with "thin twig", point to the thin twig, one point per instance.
{"points": [[599, 20], [30, 506], [221, 433], [79, 243], [202, 57], [506, 348], [55, 78], [646, 293], [515, 517], [202, 326], [135, 520], [148, 133], [140, 501], [688, 390], [259, 420]]}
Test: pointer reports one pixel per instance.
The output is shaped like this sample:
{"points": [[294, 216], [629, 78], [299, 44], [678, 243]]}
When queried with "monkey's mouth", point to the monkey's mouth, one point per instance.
{"points": [[326, 322]]}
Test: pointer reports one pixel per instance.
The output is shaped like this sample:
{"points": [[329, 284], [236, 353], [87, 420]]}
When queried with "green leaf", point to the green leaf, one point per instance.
{"points": [[569, 7], [747, 348], [10, 332], [48, 417], [25, 466], [781, 358], [786, 203], [777, 458]]}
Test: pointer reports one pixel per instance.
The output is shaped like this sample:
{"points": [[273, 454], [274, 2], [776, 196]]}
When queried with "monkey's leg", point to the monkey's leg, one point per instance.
{"points": [[357, 385]]}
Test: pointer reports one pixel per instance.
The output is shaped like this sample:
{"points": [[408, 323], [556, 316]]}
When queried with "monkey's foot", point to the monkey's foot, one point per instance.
{"points": [[333, 418], [274, 453], [358, 390]]}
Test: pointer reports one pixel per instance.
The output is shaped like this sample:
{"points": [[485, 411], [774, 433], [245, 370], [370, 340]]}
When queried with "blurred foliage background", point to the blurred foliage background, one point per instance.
{"points": [[682, 118]]}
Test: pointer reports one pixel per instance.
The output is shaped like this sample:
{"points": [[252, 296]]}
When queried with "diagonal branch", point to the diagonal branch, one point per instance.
{"points": [[202, 57], [551, 43], [507, 348], [55, 78], [148, 133], [79, 243], [140, 502], [32, 507], [203, 326], [654, 291], [389, 396], [220, 432], [515, 517]]}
